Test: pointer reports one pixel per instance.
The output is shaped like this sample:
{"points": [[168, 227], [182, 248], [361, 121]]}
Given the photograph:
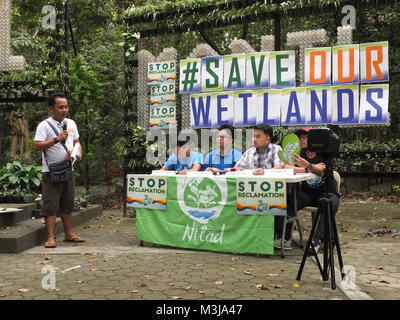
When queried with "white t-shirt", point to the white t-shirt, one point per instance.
{"points": [[57, 152]]}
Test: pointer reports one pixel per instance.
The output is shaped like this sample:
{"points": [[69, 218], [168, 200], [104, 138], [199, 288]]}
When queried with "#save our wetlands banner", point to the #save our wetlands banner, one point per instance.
{"points": [[202, 213]]}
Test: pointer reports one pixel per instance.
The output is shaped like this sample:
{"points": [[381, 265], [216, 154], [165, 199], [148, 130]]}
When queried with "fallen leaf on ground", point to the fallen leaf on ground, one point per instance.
{"points": [[355, 238], [176, 298], [219, 282], [146, 276], [298, 262], [235, 259], [187, 288], [199, 265], [6, 228], [272, 275], [387, 254], [384, 281], [92, 257], [81, 281], [3, 295], [278, 286], [160, 258], [380, 267], [259, 286], [263, 287], [371, 280], [93, 269], [143, 285], [296, 285], [247, 272], [134, 291], [335, 298], [202, 292], [23, 290], [84, 253], [233, 269], [171, 284]]}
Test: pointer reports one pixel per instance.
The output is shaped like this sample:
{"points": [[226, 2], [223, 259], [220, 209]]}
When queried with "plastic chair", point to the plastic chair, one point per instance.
{"points": [[313, 210]]}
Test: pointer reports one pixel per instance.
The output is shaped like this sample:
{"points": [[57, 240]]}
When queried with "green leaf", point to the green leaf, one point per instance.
{"points": [[25, 179], [36, 181], [13, 179]]}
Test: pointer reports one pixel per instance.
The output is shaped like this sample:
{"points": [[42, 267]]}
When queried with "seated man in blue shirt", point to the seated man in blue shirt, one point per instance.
{"points": [[183, 160], [225, 157]]}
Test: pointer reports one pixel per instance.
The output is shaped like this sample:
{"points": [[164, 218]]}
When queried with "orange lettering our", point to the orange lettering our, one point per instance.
{"points": [[340, 66], [313, 54], [376, 63]]}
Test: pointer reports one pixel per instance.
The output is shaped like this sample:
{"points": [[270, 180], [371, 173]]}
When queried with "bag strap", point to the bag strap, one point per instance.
{"points": [[57, 133]]}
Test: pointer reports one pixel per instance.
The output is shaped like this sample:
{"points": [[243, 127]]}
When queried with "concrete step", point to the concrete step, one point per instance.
{"points": [[11, 218], [29, 233]]}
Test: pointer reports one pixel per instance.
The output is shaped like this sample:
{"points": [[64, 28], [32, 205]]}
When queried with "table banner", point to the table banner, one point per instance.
{"points": [[257, 196], [201, 214], [147, 192]]}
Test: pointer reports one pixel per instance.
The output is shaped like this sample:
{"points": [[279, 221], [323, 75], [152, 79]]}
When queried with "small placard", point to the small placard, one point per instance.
{"points": [[257, 196], [161, 72], [147, 192]]}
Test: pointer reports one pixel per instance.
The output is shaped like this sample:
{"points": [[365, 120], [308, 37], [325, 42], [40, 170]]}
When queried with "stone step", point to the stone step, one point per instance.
{"points": [[11, 218], [29, 233]]}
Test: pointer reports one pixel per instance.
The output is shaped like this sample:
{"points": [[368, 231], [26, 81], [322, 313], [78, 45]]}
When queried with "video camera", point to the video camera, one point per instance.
{"points": [[323, 140]]}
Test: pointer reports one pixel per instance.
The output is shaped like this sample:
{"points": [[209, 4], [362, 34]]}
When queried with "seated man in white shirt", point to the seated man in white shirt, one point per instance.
{"points": [[263, 154]]}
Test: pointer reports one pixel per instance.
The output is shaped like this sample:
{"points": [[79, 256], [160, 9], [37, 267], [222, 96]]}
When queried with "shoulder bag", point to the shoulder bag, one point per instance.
{"points": [[60, 171]]}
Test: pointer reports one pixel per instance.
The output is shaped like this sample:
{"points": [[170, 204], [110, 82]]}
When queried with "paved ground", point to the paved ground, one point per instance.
{"points": [[111, 265]]}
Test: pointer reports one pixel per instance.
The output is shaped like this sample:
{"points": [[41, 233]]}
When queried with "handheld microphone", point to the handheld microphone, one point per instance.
{"points": [[65, 123]]}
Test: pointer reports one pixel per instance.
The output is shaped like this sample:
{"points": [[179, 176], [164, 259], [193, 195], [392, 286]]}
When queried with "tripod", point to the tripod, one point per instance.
{"points": [[330, 235]]}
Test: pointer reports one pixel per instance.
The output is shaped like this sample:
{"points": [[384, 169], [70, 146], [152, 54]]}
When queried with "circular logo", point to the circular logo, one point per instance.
{"points": [[202, 199]]}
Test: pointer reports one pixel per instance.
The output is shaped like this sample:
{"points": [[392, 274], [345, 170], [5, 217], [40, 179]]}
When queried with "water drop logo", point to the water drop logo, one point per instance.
{"points": [[202, 199]]}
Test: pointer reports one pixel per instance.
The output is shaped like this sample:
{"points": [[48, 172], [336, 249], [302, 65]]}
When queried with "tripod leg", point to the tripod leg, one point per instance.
{"points": [[339, 252], [326, 239], [308, 246], [331, 253]]}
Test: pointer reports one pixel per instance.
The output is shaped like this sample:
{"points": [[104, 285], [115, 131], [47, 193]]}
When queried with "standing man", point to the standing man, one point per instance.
{"points": [[58, 198], [225, 157], [263, 154]]}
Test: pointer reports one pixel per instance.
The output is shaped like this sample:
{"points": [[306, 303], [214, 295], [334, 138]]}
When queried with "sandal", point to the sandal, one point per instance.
{"points": [[75, 239], [50, 244]]}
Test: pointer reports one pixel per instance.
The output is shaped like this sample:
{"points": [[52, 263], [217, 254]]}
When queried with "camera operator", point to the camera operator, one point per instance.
{"points": [[311, 190]]}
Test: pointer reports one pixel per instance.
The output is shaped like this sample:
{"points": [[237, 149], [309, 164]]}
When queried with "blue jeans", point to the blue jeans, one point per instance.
{"points": [[305, 199]]}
